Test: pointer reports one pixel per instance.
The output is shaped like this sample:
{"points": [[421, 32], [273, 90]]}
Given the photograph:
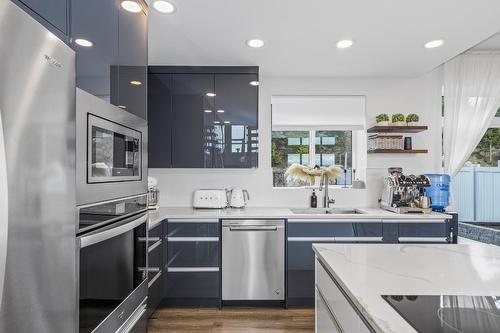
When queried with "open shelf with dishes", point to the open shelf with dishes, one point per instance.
{"points": [[390, 139]]}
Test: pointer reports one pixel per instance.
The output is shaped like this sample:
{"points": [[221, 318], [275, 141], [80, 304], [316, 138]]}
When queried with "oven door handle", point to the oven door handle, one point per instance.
{"points": [[110, 233]]}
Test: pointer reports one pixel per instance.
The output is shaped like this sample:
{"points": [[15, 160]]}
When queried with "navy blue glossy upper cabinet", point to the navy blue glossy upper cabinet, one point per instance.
{"points": [[53, 14], [236, 106], [95, 21], [159, 120], [130, 94], [192, 121], [213, 117]]}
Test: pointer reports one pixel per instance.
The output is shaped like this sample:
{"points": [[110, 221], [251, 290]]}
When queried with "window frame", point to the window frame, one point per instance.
{"points": [[312, 153]]}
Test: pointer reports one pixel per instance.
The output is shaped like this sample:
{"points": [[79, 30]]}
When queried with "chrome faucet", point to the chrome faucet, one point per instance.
{"points": [[326, 199]]}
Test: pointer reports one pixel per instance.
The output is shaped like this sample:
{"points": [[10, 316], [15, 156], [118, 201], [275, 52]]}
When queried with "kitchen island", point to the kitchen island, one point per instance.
{"points": [[351, 279]]}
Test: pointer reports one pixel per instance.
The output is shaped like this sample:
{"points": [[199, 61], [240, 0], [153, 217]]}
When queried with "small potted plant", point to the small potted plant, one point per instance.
{"points": [[382, 119], [412, 119], [398, 119]]}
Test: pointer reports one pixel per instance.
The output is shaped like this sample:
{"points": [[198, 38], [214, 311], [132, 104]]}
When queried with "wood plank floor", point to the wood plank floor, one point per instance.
{"points": [[232, 319]]}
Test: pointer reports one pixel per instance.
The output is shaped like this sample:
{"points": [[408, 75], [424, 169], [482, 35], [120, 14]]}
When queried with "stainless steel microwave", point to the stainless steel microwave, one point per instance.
{"points": [[111, 151]]}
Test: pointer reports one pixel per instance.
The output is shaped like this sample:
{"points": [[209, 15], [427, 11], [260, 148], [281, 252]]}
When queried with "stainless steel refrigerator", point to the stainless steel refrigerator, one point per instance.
{"points": [[37, 177]]}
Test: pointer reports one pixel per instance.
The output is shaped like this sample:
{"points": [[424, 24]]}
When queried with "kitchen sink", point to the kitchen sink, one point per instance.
{"points": [[321, 211]]}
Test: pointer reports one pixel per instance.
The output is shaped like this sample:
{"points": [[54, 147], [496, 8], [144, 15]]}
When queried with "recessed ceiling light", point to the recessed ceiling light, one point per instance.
{"points": [[135, 82], [216, 122], [344, 44], [208, 111], [255, 43], [227, 122], [131, 6], [164, 7], [434, 43], [210, 94], [220, 111], [83, 42], [122, 106], [254, 83]]}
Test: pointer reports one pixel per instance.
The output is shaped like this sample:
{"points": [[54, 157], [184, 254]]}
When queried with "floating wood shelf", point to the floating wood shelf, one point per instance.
{"points": [[398, 151], [397, 129]]}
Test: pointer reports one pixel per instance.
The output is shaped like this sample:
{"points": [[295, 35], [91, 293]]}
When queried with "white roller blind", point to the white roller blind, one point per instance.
{"points": [[317, 112]]}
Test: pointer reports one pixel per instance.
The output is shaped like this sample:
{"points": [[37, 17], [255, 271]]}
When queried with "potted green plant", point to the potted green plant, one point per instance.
{"points": [[412, 119], [398, 119], [382, 119]]}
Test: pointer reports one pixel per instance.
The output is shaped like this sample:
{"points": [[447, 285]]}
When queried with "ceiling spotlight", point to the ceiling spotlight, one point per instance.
{"points": [[210, 94], [227, 122], [83, 42], [131, 6], [254, 83], [220, 111], [208, 111], [255, 43], [135, 83], [216, 122], [122, 106], [344, 44], [164, 7], [434, 43]]}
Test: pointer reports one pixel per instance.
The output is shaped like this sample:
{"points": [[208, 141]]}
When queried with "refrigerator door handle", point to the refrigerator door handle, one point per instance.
{"points": [[4, 209]]}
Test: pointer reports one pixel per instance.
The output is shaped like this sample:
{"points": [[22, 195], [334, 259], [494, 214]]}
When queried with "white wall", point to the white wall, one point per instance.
{"points": [[421, 95]]}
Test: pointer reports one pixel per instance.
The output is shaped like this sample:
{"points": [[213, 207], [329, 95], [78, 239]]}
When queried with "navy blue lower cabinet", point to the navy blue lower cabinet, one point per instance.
{"points": [[192, 263], [358, 232], [301, 235], [423, 232]]}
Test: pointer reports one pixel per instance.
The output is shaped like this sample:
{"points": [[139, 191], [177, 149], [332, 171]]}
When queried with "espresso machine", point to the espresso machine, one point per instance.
{"points": [[405, 194]]}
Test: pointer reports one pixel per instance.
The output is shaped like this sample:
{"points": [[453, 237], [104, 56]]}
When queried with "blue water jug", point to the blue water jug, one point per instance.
{"points": [[439, 191]]}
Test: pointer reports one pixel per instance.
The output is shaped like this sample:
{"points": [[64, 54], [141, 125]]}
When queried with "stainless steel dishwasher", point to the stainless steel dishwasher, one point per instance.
{"points": [[253, 260]]}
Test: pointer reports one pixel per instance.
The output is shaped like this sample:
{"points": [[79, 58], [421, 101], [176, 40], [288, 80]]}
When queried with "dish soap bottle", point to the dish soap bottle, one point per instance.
{"points": [[314, 200]]}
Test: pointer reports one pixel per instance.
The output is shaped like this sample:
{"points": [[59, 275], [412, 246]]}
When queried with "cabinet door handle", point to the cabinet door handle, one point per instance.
{"points": [[192, 269], [358, 239], [311, 239], [423, 239], [193, 239]]}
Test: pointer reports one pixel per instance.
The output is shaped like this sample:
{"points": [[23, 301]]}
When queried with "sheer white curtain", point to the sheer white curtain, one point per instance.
{"points": [[471, 99]]}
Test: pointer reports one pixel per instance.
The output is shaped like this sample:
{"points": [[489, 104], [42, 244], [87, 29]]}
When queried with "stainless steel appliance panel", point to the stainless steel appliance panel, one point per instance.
{"points": [[253, 260], [37, 177], [92, 110]]}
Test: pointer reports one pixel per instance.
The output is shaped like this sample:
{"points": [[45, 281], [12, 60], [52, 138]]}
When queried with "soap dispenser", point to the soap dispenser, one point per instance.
{"points": [[314, 200]]}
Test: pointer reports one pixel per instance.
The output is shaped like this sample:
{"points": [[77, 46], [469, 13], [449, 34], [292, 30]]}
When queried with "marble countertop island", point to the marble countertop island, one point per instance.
{"points": [[365, 272]]}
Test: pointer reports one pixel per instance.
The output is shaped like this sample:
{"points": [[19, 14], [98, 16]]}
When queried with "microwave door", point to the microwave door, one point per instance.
{"points": [[114, 152]]}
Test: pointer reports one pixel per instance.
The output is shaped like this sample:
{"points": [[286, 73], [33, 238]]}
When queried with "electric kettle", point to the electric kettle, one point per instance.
{"points": [[239, 198]]}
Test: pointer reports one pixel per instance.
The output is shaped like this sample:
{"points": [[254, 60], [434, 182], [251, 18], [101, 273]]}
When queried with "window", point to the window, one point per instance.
{"points": [[487, 152], [310, 148]]}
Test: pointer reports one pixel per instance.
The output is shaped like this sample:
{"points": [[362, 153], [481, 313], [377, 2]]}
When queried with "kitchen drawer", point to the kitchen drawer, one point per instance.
{"points": [[155, 279], [192, 284], [193, 253], [193, 229], [341, 308], [310, 229], [358, 232], [325, 321], [422, 232]]}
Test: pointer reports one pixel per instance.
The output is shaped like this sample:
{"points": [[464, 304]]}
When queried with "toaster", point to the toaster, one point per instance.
{"points": [[210, 199]]}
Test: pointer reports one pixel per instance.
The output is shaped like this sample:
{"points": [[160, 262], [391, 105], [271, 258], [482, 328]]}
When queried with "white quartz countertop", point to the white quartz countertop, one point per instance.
{"points": [[372, 214], [366, 272]]}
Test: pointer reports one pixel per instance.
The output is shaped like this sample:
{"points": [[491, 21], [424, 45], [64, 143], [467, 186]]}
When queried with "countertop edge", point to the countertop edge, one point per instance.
{"points": [[359, 307]]}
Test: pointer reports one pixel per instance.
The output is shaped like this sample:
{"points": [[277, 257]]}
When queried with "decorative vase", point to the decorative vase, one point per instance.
{"points": [[383, 123]]}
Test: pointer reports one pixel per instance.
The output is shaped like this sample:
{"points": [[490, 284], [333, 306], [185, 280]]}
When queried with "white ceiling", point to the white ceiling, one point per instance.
{"points": [[490, 44], [300, 36]]}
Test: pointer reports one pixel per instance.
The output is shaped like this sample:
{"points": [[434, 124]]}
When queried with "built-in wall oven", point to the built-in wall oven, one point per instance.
{"points": [[111, 151], [112, 265]]}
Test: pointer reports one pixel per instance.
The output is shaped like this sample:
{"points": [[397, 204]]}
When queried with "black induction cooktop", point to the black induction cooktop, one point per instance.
{"points": [[448, 313]]}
